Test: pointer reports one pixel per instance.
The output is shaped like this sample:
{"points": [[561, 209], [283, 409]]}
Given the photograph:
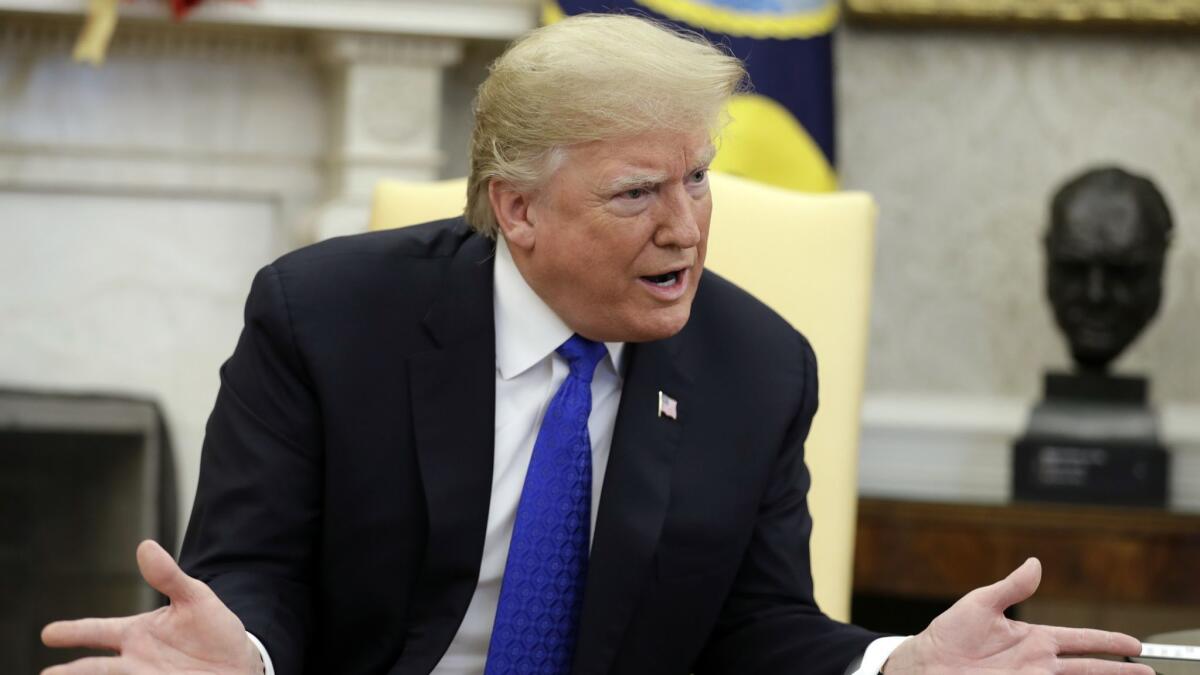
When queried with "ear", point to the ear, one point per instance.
{"points": [[511, 207]]}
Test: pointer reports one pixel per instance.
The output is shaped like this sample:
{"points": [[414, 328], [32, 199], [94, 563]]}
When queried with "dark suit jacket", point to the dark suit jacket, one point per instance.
{"points": [[346, 474]]}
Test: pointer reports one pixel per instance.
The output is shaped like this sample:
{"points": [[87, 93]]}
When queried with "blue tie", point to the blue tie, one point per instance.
{"points": [[537, 618]]}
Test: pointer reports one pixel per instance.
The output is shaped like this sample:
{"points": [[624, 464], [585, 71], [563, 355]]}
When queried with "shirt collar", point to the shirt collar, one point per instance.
{"points": [[527, 330]]}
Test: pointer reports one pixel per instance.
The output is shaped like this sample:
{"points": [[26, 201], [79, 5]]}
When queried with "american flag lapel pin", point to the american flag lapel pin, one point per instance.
{"points": [[667, 407]]}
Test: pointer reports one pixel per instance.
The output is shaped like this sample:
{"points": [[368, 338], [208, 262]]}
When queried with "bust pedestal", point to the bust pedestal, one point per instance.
{"points": [[1092, 439]]}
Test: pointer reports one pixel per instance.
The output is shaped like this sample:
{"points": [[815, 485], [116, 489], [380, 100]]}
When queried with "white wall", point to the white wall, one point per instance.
{"points": [[963, 135]]}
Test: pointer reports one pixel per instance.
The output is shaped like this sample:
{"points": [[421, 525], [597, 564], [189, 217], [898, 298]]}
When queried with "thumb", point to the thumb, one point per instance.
{"points": [[1016, 587], [160, 571]]}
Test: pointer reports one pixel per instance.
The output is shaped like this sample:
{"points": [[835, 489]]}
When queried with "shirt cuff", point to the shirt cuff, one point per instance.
{"points": [[270, 669], [872, 660]]}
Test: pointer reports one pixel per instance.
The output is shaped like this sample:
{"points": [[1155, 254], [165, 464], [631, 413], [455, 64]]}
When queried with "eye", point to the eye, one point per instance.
{"points": [[635, 193], [699, 175]]}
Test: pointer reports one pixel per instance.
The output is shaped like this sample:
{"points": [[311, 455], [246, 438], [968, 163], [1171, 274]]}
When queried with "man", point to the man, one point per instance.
{"points": [[558, 451]]}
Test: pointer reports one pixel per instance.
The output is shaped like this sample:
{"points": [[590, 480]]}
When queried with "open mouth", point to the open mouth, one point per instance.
{"points": [[663, 280], [668, 286]]}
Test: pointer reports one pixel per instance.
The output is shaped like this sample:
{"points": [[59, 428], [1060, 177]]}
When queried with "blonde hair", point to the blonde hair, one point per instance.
{"points": [[586, 78]]}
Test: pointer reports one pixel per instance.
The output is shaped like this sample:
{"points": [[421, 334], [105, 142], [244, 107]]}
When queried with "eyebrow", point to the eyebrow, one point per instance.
{"points": [[638, 180]]}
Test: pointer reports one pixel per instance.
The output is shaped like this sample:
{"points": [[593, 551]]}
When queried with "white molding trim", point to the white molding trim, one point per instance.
{"points": [[484, 19], [153, 171], [295, 185], [374, 138], [41, 34], [959, 448], [338, 48]]}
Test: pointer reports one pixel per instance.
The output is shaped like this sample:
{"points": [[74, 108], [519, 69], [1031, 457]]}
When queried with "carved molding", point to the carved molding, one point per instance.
{"points": [[387, 91], [340, 48], [28, 34], [293, 184], [381, 32], [385, 122], [155, 170], [485, 19]]}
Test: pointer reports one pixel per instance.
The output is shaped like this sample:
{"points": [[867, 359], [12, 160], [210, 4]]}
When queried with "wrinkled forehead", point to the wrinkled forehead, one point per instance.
{"points": [[656, 153], [1105, 225]]}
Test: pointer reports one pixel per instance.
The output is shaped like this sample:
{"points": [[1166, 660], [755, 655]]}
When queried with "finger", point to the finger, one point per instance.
{"points": [[1016, 587], [1098, 667], [94, 665], [1091, 641], [160, 571], [94, 633]]}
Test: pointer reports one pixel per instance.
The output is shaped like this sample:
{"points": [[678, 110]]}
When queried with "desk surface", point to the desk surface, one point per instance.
{"points": [[1164, 667], [1087, 552]]}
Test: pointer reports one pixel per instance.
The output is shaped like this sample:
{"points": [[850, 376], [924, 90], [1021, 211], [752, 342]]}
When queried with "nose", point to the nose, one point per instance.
{"points": [[1097, 290], [680, 220]]}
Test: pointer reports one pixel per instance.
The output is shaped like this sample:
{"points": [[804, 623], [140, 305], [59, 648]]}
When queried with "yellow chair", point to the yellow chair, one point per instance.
{"points": [[808, 256]]}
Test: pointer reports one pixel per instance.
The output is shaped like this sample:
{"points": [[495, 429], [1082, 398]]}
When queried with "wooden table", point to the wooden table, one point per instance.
{"points": [[942, 550]]}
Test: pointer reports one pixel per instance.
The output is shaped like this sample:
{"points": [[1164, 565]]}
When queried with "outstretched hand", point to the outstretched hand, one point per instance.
{"points": [[195, 633], [974, 636]]}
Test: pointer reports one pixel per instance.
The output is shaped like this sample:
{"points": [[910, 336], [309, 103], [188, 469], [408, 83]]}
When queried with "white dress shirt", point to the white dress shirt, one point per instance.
{"points": [[528, 373]]}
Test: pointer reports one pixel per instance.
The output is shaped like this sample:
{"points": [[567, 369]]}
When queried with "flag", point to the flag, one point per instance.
{"points": [[782, 132], [667, 407]]}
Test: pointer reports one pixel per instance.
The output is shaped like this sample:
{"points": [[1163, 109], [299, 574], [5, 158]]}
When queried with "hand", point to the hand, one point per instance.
{"points": [[974, 636], [196, 633]]}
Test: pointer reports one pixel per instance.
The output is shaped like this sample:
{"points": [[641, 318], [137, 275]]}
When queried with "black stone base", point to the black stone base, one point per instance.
{"points": [[1093, 388], [1069, 471]]}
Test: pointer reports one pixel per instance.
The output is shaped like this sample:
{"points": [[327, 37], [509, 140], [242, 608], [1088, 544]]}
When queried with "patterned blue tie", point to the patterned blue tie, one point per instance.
{"points": [[538, 615]]}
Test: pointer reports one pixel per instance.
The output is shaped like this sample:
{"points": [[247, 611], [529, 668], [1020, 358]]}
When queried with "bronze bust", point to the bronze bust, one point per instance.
{"points": [[1105, 248], [1093, 438]]}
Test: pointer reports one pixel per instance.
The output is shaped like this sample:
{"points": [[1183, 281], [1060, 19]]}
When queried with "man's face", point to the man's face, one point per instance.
{"points": [[1104, 274], [618, 235]]}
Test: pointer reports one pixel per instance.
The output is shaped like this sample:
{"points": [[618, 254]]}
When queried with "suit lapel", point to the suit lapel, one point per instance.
{"points": [[453, 400], [634, 499]]}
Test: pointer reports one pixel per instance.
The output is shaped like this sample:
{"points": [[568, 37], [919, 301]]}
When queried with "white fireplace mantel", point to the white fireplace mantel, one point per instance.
{"points": [[382, 66], [481, 19], [138, 198]]}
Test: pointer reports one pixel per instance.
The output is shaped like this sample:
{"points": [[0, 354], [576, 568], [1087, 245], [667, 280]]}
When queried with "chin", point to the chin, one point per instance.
{"points": [[663, 326]]}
